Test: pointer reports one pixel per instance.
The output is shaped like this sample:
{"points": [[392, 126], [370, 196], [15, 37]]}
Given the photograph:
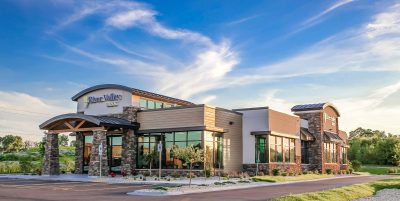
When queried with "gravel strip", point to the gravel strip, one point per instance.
{"points": [[385, 194]]}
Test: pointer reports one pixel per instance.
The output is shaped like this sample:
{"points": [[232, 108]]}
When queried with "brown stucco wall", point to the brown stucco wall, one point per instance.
{"points": [[283, 123]]}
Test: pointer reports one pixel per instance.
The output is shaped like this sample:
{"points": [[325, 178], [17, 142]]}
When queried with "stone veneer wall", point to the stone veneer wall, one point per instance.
{"points": [[79, 143], [128, 152], [51, 165], [316, 147], [99, 137]]}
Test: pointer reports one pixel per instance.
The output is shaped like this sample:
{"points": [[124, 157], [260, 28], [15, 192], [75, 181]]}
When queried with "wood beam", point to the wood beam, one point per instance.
{"points": [[68, 125], [80, 124], [76, 130]]}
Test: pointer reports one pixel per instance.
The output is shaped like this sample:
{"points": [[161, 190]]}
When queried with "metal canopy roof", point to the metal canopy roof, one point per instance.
{"points": [[332, 137], [317, 106], [306, 135], [97, 120]]}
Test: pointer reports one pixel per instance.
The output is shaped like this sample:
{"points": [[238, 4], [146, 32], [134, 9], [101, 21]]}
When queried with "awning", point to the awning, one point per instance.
{"points": [[76, 122], [305, 135], [332, 137], [261, 133]]}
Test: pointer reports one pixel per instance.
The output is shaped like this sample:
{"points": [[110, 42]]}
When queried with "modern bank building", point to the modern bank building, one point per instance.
{"points": [[128, 123]]}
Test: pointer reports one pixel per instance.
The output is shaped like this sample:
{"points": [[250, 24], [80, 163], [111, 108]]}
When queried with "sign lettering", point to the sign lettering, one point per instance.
{"points": [[111, 100]]}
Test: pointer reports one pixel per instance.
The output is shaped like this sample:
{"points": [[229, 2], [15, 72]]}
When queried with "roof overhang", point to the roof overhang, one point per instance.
{"points": [[258, 133], [76, 122], [332, 137], [306, 135]]}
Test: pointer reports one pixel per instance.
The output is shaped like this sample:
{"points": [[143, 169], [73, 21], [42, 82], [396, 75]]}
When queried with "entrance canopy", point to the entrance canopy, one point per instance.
{"points": [[75, 122]]}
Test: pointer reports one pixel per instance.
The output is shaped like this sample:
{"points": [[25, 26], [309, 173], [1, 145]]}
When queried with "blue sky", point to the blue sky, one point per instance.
{"points": [[231, 55]]}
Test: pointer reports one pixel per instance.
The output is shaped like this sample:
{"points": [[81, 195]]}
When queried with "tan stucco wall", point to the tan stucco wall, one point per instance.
{"points": [[171, 118], [232, 139]]}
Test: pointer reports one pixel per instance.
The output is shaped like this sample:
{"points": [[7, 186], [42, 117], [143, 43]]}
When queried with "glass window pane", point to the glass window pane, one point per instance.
{"points": [[180, 144], [146, 138], [272, 139], [166, 105], [158, 105], [150, 104], [272, 150], [286, 142], [152, 139], [287, 154], [278, 140], [196, 144], [292, 154], [143, 103], [279, 153], [89, 139], [194, 135], [116, 151], [180, 136], [116, 140], [169, 137]]}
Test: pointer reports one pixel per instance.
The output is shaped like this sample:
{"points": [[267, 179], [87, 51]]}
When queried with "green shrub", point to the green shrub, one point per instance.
{"points": [[328, 171], [392, 171], [351, 170], [276, 172], [356, 165], [219, 183], [208, 173], [229, 182], [284, 174], [305, 172], [8, 167]]}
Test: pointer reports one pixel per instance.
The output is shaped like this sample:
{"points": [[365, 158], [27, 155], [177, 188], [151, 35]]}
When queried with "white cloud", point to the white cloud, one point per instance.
{"points": [[242, 20], [315, 19], [130, 18], [21, 114], [368, 111]]}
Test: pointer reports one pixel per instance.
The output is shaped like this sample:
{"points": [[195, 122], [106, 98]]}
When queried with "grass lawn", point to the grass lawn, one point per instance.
{"points": [[345, 193], [291, 178], [378, 169]]}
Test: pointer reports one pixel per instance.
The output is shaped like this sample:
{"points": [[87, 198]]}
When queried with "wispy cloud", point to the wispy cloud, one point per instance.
{"points": [[243, 20], [21, 113], [316, 19]]}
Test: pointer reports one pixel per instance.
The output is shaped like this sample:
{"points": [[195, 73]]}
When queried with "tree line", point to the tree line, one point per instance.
{"points": [[374, 147], [14, 143]]}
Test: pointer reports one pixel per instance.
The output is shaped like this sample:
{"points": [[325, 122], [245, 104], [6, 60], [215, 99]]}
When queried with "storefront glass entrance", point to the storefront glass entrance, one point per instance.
{"points": [[114, 153]]}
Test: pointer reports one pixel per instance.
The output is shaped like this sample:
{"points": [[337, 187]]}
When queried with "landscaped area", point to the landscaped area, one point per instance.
{"points": [[379, 170], [345, 193], [291, 178]]}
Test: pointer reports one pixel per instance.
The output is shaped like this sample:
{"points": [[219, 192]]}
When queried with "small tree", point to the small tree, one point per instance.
{"points": [[189, 155], [150, 157], [63, 140]]}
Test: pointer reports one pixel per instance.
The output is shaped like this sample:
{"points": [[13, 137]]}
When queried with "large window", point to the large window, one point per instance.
{"points": [[261, 150], [150, 104], [114, 150], [282, 149], [305, 156], [148, 144], [87, 152], [330, 152], [344, 155]]}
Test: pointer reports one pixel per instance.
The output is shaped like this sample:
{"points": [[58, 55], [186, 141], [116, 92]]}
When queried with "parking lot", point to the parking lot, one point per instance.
{"points": [[19, 189]]}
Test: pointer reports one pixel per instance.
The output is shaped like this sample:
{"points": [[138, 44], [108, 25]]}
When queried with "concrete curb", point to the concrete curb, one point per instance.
{"points": [[145, 192]]}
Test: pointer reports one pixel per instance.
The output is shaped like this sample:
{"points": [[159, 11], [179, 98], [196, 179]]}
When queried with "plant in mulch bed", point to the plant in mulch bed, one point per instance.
{"points": [[243, 181], [219, 183], [189, 155], [276, 172], [229, 182], [112, 174], [202, 185], [162, 188], [328, 171], [123, 174]]}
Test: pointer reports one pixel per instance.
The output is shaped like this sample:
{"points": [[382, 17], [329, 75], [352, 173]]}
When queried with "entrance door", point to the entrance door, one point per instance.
{"points": [[114, 151], [87, 151]]}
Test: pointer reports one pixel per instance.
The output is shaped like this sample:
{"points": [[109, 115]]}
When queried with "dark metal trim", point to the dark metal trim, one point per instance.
{"points": [[250, 108]]}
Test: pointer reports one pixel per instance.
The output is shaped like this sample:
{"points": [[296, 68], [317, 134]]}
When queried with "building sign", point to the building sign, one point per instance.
{"points": [[327, 117], [111, 100]]}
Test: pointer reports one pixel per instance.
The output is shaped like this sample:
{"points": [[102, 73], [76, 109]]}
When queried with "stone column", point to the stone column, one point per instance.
{"points": [[51, 165], [99, 137], [79, 143], [128, 152], [130, 113]]}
